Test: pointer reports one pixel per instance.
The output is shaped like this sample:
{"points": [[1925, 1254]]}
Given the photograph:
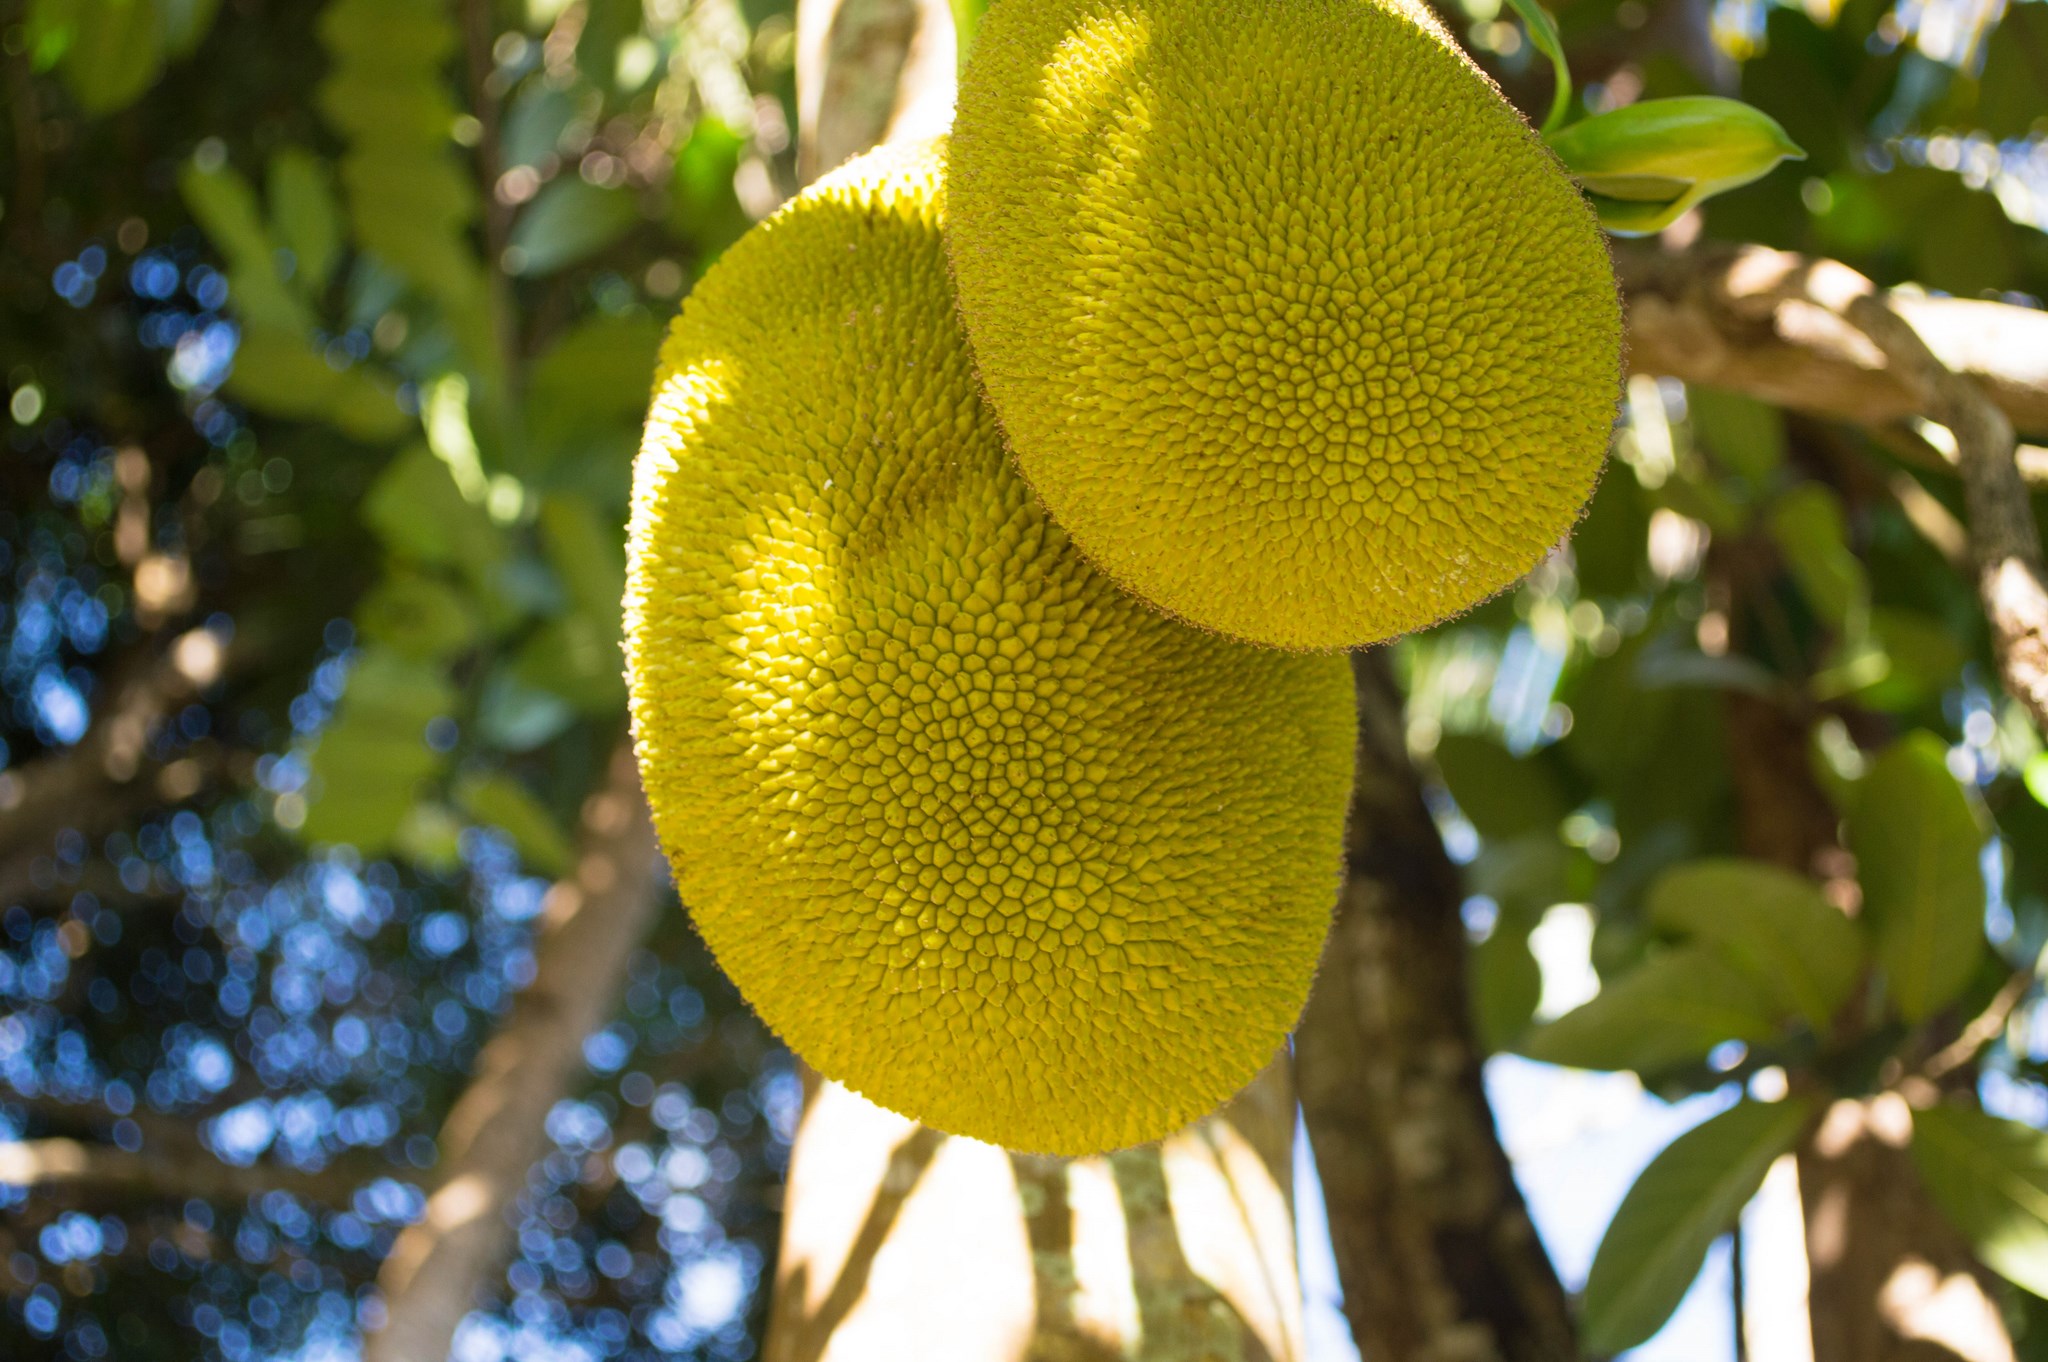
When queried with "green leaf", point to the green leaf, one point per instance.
{"points": [[1505, 982], [577, 659], [1502, 794], [705, 209], [1543, 35], [589, 556], [419, 617], [281, 373], [308, 219], [1745, 435], [569, 221], [519, 717], [505, 804], [1645, 164], [1906, 660], [600, 374], [415, 508], [1990, 1177], [1686, 1199], [185, 24], [1917, 844], [1810, 531], [227, 211], [109, 52], [2036, 777], [1771, 924], [370, 761], [1670, 1010]]}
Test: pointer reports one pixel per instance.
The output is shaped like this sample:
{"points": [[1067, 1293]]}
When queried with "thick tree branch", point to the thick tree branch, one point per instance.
{"points": [[80, 1171], [1771, 324], [1816, 336], [1435, 1251], [592, 923], [2004, 540]]}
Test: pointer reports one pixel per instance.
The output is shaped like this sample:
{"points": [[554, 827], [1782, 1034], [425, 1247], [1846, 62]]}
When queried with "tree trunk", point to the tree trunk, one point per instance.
{"points": [[900, 1244], [1434, 1248], [1892, 1281], [591, 923]]}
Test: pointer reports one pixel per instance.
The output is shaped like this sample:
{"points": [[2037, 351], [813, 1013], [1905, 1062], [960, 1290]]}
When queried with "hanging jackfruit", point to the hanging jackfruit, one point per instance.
{"points": [[975, 832], [1292, 321]]}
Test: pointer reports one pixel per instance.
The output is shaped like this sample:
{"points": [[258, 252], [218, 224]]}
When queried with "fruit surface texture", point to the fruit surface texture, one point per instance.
{"points": [[976, 833], [1291, 320]]}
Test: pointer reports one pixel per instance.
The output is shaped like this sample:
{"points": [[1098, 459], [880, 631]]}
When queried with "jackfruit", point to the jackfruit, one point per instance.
{"points": [[1288, 316], [978, 834]]}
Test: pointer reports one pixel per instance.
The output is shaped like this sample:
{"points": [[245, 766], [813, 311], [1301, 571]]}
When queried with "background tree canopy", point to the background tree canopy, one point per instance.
{"points": [[324, 889]]}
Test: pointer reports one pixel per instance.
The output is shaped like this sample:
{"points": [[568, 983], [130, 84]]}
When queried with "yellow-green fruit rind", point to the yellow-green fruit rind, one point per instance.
{"points": [[976, 833], [1290, 319]]}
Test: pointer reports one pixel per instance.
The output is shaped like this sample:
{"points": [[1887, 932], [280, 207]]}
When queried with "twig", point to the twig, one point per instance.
{"points": [[1982, 1030]]}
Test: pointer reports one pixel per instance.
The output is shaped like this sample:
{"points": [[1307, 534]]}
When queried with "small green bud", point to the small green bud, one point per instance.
{"points": [[1646, 164]]}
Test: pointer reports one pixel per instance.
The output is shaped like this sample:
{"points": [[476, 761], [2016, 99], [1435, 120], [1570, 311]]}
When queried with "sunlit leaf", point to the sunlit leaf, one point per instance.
{"points": [[1687, 1198], [1771, 924], [1671, 1009], [281, 373], [598, 375], [1990, 1176], [1917, 845], [415, 508], [418, 616], [588, 553], [308, 219], [226, 207], [111, 50], [1645, 164], [369, 763]]}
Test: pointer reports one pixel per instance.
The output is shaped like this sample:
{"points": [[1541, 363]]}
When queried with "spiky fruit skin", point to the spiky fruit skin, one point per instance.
{"points": [[1290, 319], [973, 831]]}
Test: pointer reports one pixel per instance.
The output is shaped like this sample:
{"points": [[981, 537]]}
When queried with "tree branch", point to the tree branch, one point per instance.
{"points": [[1434, 1247], [2004, 540], [1770, 324], [48, 793], [494, 1135], [57, 1166], [1816, 336]]}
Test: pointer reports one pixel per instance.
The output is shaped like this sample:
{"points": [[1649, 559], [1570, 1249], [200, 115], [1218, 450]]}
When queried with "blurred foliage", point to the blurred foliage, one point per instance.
{"points": [[326, 333]]}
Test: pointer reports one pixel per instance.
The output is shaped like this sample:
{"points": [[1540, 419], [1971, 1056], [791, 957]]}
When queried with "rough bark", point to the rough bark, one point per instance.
{"points": [[870, 71], [901, 1244], [1771, 324], [591, 922], [2005, 541], [1435, 1250], [1891, 1279]]}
